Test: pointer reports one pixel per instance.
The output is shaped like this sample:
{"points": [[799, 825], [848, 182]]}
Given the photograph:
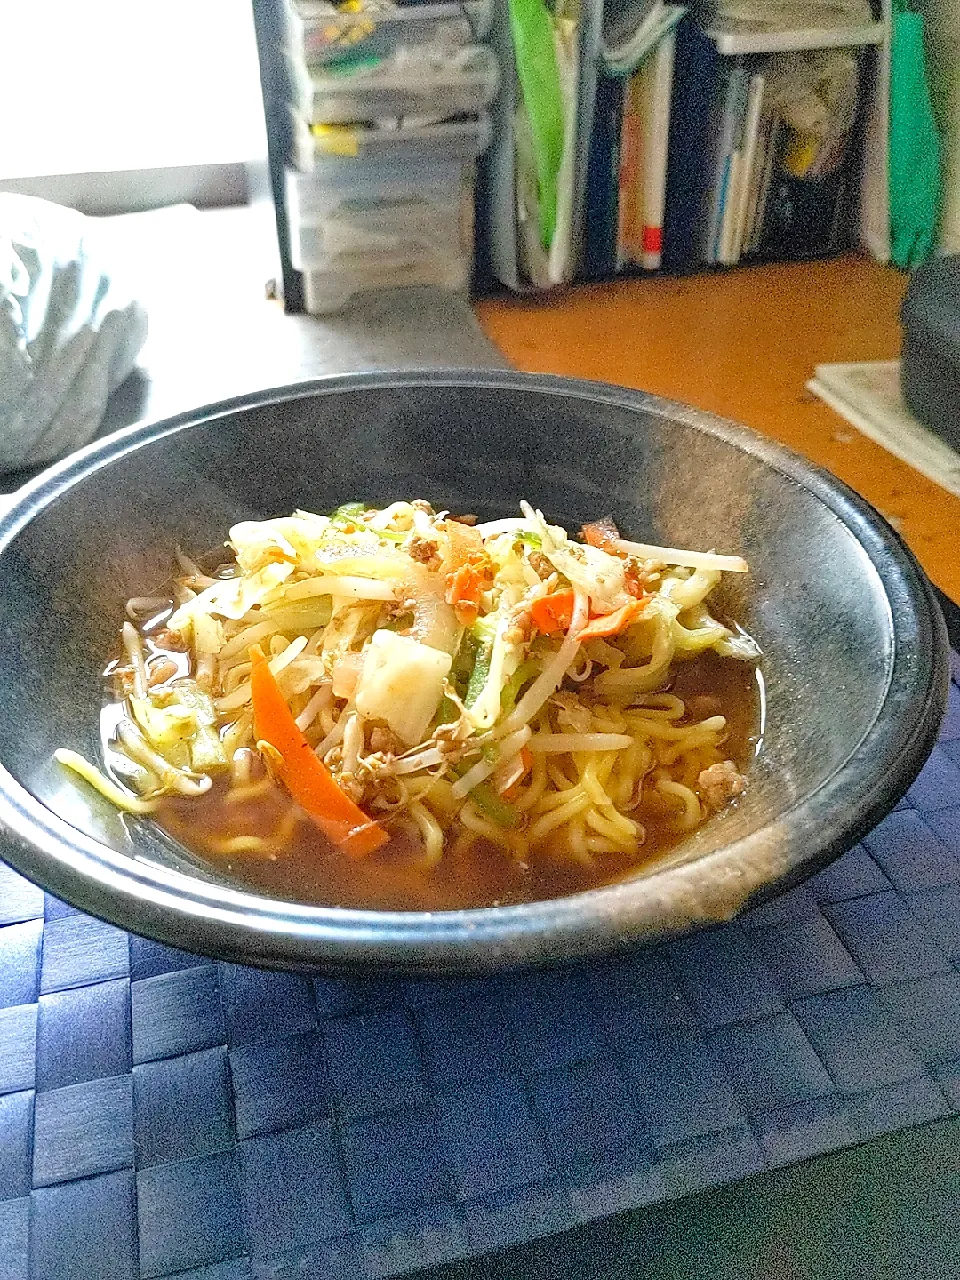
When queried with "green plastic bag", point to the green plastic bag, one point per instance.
{"points": [[914, 144], [532, 27]]}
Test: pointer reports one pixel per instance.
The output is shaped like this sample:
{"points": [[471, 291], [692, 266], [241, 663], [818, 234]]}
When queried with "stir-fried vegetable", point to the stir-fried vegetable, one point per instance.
{"points": [[301, 772], [403, 645]]}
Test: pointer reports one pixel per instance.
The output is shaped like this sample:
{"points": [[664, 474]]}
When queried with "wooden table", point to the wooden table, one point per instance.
{"points": [[743, 344]]}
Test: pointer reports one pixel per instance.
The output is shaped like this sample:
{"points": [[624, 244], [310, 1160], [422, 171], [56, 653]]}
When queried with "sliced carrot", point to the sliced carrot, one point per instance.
{"points": [[463, 542], [611, 624], [600, 533], [466, 584], [304, 776], [553, 613], [276, 555], [464, 588], [526, 759]]}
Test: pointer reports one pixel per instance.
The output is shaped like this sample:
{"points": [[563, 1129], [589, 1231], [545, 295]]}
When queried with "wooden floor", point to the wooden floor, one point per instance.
{"points": [[743, 344]]}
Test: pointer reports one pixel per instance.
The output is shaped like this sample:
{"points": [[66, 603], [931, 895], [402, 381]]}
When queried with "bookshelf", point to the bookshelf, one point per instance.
{"points": [[861, 199], [731, 44], [718, 208]]}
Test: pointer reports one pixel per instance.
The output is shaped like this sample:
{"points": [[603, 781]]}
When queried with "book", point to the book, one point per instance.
{"points": [[630, 214], [735, 216], [729, 115], [601, 221], [697, 72], [658, 85], [773, 145], [755, 182]]}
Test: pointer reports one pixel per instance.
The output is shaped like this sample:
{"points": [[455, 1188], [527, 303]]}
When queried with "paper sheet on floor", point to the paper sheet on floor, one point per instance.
{"points": [[868, 395]]}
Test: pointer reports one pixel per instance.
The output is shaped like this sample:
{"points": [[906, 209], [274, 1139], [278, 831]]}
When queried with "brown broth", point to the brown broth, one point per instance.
{"points": [[312, 870]]}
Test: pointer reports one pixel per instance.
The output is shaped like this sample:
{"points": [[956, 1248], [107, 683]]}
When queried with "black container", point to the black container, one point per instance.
{"points": [[855, 657], [930, 358]]}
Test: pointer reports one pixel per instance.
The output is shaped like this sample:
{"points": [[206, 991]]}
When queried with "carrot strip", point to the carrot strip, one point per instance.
{"points": [[463, 542], [600, 534], [611, 624], [466, 584], [553, 613], [526, 759], [304, 776], [464, 588]]}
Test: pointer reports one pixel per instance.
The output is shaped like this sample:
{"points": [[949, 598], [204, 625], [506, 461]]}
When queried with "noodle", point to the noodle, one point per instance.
{"points": [[500, 684]]}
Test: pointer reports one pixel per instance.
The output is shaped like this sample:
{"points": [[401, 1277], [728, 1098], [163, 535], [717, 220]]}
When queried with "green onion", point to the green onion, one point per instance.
{"points": [[348, 511], [511, 690], [479, 675], [497, 810]]}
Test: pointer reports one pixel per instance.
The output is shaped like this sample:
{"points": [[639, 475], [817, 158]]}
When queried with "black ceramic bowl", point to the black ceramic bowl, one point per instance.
{"points": [[854, 646]]}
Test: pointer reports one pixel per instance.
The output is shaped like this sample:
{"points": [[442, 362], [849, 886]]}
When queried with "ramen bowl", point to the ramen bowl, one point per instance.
{"points": [[854, 665]]}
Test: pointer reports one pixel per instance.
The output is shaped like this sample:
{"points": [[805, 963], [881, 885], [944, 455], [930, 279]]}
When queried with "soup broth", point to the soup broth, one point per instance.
{"points": [[399, 709], [310, 869]]}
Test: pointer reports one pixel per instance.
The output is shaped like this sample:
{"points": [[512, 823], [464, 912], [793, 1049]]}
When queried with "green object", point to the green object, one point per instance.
{"points": [[532, 27], [480, 637], [914, 145], [531, 539], [508, 697], [479, 674], [348, 511], [490, 804], [352, 64]]}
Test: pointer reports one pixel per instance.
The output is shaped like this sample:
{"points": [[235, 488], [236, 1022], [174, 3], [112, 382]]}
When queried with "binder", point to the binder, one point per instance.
{"points": [[602, 192], [697, 67], [504, 237]]}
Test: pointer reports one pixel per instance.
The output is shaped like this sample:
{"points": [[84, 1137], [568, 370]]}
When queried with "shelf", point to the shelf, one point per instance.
{"points": [[731, 43]]}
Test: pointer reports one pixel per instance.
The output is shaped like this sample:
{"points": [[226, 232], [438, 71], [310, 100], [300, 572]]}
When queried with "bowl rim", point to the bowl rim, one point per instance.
{"points": [[209, 919]]}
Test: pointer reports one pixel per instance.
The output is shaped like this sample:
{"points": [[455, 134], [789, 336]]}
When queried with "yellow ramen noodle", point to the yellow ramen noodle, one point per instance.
{"points": [[502, 711]]}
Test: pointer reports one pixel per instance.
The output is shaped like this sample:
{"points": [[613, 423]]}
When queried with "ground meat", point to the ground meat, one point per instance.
{"points": [[351, 785], [720, 783], [423, 551], [167, 639], [385, 740], [123, 677], [540, 564]]}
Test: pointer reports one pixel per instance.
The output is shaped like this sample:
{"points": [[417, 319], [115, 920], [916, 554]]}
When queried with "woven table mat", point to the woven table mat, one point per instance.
{"points": [[163, 1115]]}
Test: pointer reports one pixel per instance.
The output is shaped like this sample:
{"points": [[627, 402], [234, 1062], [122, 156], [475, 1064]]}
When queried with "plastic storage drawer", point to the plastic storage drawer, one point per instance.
{"points": [[312, 196], [408, 83], [331, 149], [330, 290], [433, 221], [319, 32]]}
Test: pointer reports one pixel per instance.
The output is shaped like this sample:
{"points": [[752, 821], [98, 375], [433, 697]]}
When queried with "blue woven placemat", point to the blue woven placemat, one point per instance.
{"points": [[161, 1115]]}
